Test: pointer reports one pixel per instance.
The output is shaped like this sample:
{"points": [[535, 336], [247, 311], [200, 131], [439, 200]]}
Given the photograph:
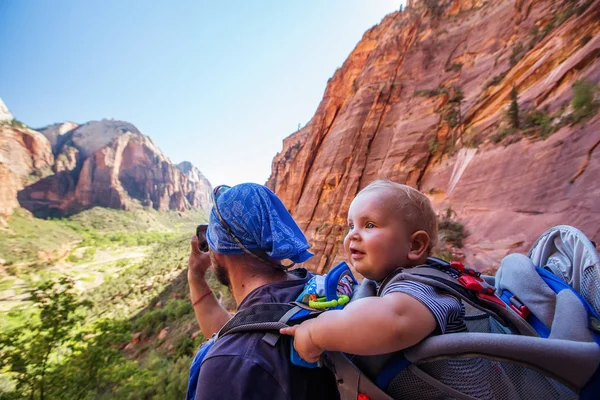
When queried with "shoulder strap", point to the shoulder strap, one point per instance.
{"points": [[267, 317], [469, 287]]}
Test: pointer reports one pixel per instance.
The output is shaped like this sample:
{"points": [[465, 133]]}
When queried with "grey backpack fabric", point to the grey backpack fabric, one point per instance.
{"points": [[569, 254], [489, 362]]}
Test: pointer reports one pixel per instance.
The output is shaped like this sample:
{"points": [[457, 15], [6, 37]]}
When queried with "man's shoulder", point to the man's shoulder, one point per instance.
{"points": [[250, 346], [235, 345], [247, 360], [244, 360]]}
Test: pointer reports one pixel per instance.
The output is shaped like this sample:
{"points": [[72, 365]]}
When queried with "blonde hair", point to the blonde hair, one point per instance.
{"points": [[414, 207]]}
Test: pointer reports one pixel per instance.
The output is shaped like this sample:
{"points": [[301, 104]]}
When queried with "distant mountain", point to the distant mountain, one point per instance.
{"points": [[56, 133], [25, 157], [65, 168], [5, 115]]}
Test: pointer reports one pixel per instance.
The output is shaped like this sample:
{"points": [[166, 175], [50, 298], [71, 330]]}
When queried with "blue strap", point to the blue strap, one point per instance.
{"points": [[534, 321], [300, 314], [299, 361], [558, 285], [195, 368], [592, 387], [390, 370]]}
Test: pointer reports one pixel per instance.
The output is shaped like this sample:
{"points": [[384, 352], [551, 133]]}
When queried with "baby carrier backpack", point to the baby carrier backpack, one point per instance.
{"points": [[533, 330]]}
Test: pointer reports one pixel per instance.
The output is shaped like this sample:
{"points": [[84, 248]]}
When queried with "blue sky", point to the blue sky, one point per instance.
{"points": [[217, 83]]}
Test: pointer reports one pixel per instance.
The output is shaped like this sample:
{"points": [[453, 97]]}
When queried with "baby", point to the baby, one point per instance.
{"points": [[391, 226]]}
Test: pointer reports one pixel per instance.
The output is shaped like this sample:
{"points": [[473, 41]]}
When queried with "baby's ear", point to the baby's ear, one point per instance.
{"points": [[419, 244]]}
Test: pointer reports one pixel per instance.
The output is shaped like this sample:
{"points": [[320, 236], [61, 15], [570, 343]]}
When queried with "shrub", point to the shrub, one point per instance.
{"points": [[454, 67], [429, 92], [452, 232], [433, 144], [452, 117], [17, 124], [502, 133], [516, 54], [496, 80], [184, 347], [152, 321], [584, 40], [444, 254], [581, 9], [535, 37], [539, 119], [435, 7], [584, 101]]}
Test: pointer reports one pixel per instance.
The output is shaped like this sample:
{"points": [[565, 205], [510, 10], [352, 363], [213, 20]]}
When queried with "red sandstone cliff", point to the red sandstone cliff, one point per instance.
{"points": [[101, 163], [422, 100], [25, 157]]}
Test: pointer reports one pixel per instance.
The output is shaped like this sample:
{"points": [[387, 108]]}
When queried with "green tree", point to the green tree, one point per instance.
{"points": [[26, 351], [95, 364], [513, 109]]}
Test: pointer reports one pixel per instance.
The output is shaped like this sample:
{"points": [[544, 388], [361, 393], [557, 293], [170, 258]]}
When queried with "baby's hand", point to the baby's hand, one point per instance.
{"points": [[303, 342]]}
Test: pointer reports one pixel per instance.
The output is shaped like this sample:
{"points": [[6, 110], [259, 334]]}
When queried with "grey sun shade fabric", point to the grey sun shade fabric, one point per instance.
{"points": [[570, 319], [517, 274], [571, 362], [570, 255]]}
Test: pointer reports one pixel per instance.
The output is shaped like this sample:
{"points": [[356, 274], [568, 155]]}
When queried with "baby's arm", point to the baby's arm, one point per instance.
{"points": [[374, 325]]}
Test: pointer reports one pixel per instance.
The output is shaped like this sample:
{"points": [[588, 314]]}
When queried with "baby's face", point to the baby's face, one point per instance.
{"points": [[377, 242]]}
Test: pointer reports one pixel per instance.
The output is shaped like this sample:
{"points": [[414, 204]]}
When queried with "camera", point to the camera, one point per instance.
{"points": [[201, 234]]}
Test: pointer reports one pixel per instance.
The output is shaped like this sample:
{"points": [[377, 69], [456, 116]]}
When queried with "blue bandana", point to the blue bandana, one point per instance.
{"points": [[260, 221]]}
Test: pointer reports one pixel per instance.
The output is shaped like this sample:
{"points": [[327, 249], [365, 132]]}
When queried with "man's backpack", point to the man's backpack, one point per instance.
{"points": [[507, 353], [270, 317]]}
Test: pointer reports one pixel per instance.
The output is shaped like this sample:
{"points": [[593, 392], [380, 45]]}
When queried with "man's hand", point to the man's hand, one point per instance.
{"points": [[303, 342], [198, 263], [210, 315]]}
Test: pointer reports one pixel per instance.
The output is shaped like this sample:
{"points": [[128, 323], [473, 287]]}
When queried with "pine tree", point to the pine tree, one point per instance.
{"points": [[513, 109]]}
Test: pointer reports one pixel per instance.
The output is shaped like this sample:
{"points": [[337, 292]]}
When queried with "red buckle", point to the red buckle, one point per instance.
{"points": [[457, 265], [362, 397], [518, 307], [471, 282], [522, 311], [460, 267]]}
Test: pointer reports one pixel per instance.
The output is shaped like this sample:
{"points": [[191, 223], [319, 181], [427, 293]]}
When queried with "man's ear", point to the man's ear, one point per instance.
{"points": [[419, 244]]}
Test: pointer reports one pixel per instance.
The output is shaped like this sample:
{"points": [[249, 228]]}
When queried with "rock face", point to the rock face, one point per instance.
{"points": [[25, 157], [56, 134], [68, 168], [422, 100], [5, 115], [198, 196]]}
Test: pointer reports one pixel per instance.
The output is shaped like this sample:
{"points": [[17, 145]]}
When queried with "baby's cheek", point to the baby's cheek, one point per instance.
{"points": [[347, 246]]}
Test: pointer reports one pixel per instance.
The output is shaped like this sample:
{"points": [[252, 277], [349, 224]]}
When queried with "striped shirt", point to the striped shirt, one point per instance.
{"points": [[448, 311]]}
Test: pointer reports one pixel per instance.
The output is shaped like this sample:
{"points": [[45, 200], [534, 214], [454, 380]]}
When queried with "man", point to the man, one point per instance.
{"points": [[250, 232]]}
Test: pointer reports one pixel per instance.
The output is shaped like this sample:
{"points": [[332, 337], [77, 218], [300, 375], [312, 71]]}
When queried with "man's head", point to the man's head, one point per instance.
{"points": [[391, 225], [250, 220]]}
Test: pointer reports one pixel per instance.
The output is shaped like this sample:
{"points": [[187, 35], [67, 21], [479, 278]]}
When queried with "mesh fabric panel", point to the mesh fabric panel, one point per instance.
{"points": [[590, 287], [264, 313], [480, 323], [260, 326], [479, 378], [407, 385]]}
